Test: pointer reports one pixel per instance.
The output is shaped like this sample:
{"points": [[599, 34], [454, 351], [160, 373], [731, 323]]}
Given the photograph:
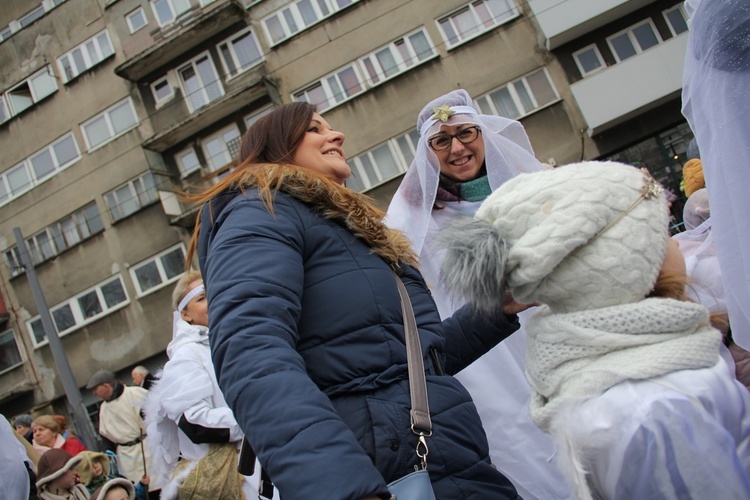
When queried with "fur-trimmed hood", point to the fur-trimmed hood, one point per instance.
{"points": [[328, 199]]}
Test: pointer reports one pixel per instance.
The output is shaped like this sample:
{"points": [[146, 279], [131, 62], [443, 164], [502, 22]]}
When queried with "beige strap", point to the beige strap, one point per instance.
{"points": [[420, 408]]}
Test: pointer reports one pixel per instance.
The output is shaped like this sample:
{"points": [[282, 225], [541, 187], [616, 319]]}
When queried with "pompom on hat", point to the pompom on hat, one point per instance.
{"points": [[582, 236]]}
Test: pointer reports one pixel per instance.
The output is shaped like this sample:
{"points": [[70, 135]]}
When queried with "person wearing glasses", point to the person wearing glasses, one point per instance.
{"points": [[462, 156]]}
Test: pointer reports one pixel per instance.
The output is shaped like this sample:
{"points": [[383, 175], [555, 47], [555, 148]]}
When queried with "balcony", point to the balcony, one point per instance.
{"points": [[629, 88], [175, 123], [188, 31], [562, 22]]}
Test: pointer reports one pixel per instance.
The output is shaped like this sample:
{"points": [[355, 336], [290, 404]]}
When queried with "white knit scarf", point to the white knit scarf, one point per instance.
{"points": [[580, 355]]}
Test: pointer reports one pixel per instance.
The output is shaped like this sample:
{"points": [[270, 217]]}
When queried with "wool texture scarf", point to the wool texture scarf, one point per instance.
{"points": [[579, 355]]}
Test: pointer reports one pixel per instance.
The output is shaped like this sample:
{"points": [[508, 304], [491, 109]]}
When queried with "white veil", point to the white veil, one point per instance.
{"points": [[716, 103]]}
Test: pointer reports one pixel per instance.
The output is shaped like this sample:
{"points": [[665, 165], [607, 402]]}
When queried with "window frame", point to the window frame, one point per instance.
{"points": [[185, 172], [135, 195], [33, 92], [87, 59], [219, 134], [681, 8], [517, 100], [233, 53], [360, 173], [514, 13], [18, 351], [160, 268], [633, 39], [172, 9], [159, 102], [193, 64], [296, 17], [598, 54], [129, 16], [78, 314], [108, 122], [402, 65]]}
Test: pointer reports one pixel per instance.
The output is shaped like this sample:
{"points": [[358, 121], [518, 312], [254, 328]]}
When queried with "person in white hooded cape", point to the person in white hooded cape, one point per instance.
{"points": [[187, 392], [496, 381]]}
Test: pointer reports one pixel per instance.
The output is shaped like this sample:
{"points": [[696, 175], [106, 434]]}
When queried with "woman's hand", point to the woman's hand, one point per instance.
{"points": [[510, 306]]}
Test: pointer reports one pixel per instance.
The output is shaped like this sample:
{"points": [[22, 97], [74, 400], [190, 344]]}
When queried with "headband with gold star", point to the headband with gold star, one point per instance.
{"points": [[442, 113]]}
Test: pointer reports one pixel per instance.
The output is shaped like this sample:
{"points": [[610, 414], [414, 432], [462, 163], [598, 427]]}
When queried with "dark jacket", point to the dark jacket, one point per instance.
{"points": [[308, 344]]}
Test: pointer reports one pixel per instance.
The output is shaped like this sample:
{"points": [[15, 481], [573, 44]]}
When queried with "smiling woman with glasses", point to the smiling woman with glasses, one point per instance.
{"points": [[461, 158]]}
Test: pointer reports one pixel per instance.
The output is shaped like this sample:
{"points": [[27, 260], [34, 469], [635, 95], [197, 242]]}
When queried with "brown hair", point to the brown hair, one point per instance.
{"points": [[48, 421], [670, 285], [274, 138]]}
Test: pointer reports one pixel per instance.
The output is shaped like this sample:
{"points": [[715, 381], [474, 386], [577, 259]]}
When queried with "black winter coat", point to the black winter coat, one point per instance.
{"points": [[308, 343]]}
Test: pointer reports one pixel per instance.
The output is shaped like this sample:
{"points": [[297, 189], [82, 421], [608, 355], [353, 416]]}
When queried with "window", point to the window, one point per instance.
{"points": [[86, 55], [28, 92], [257, 115], [240, 52], [82, 309], [200, 82], [162, 90], [61, 235], [474, 19], [159, 271], [520, 97], [397, 56], [589, 60], [39, 167], [384, 63], [383, 162], [131, 196], [167, 10], [676, 19], [634, 40], [223, 147], [187, 161], [136, 20], [9, 353], [32, 16], [110, 124], [300, 15]]}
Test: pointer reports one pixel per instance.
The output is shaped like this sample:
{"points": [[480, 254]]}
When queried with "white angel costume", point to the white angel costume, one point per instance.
{"points": [[716, 86], [187, 389], [496, 381]]}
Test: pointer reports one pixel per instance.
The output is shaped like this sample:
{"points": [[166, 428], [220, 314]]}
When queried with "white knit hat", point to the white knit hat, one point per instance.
{"points": [[578, 237]]}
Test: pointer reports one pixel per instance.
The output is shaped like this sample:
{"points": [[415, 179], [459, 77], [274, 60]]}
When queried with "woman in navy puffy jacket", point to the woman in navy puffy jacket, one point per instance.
{"points": [[306, 328]]}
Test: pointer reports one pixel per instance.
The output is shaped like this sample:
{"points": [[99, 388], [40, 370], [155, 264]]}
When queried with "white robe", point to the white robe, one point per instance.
{"points": [[120, 421], [682, 435], [498, 385]]}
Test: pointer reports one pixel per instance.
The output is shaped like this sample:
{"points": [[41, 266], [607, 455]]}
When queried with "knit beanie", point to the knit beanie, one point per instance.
{"points": [[53, 464], [85, 469], [101, 493], [581, 236], [692, 173]]}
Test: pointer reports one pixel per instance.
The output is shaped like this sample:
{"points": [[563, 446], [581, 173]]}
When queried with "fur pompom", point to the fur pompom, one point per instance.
{"points": [[474, 265]]}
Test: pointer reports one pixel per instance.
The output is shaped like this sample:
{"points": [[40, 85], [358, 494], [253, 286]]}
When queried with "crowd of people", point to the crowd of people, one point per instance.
{"points": [[571, 347]]}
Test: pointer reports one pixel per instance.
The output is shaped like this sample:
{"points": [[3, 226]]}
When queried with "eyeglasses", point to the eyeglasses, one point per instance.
{"points": [[444, 141]]}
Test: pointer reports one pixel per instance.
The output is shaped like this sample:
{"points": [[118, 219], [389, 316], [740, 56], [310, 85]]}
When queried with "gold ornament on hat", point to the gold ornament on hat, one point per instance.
{"points": [[442, 113]]}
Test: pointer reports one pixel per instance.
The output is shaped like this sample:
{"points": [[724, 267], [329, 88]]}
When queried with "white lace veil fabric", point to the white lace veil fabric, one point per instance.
{"points": [[507, 153], [716, 103]]}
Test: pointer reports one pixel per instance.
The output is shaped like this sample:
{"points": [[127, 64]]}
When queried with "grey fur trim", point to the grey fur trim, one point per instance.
{"points": [[474, 264]]}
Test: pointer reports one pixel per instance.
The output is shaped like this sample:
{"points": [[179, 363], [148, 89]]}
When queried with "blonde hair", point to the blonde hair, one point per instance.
{"points": [[49, 422], [181, 289]]}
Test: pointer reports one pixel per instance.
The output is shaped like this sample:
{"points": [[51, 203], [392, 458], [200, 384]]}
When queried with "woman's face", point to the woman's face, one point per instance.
{"points": [[44, 436], [460, 162], [96, 469], [196, 311], [321, 150]]}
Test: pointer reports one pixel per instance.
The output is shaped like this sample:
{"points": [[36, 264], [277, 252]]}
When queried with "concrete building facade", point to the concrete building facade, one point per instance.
{"points": [[110, 106]]}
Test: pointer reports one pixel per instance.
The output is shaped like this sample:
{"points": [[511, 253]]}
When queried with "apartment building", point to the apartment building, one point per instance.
{"points": [[108, 106]]}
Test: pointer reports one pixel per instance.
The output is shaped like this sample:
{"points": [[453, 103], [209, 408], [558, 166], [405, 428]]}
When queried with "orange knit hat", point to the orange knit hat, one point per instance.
{"points": [[692, 173]]}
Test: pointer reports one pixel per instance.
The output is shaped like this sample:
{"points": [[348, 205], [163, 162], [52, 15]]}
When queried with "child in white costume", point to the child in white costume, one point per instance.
{"points": [[629, 382]]}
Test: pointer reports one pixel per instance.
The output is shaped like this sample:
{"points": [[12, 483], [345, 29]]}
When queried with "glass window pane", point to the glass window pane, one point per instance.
{"points": [[113, 293], [148, 276], [173, 263], [104, 46], [350, 81], [45, 245], [146, 189], [541, 88], [80, 63], [404, 51], [354, 181], [9, 354], [122, 117], [38, 331], [193, 88], [307, 12], [368, 170], [387, 62], [333, 83], [246, 50], [386, 162], [421, 45], [504, 104], [63, 318], [96, 131], [162, 90], [89, 304], [127, 203], [343, 3], [589, 60], [403, 145], [273, 25], [57, 237], [209, 78], [622, 46], [500, 9], [523, 94], [317, 95], [323, 7], [66, 150], [450, 34], [290, 22], [92, 52], [371, 70], [645, 36], [677, 21], [19, 98], [137, 20], [43, 84], [163, 10], [484, 15], [93, 218], [67, 67], [42, 164], [18, 179], [70, 231], [228, 58], [465, 24], [188, 162]]}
